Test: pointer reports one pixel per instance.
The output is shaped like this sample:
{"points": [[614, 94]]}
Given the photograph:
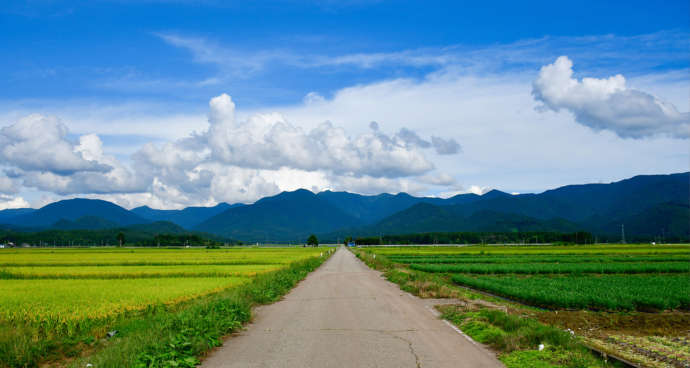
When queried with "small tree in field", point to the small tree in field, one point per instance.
{"points": [[313, 241], [121, 238]]}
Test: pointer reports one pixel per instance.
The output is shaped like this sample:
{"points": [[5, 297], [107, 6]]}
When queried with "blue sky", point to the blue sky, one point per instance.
{"points": [[139, 75], [61, 50]]}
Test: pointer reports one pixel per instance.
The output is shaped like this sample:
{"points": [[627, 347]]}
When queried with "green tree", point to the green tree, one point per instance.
{"points": [[313, 241], [121, 238]]}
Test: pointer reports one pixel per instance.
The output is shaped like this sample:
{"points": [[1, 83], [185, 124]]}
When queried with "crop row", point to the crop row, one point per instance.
{"points": [[599, 249], [556, 268], [611, 292], [536, 259], [121, 272], [64, 305], [143, 257]]}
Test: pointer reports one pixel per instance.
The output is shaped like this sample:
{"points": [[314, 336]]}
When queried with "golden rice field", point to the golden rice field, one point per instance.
{"points": [[68, 288], [124, 272], [55, 302], [151, 256]]}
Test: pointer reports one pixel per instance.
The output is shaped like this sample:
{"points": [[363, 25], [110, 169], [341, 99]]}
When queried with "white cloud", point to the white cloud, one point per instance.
{"points": [[241, 155], [40, 143], [7, 202], [243, 160], [608, 103], [269, 141], [506, 143], [445, 146], [639, 51], [8, 185], [478, 190], [36, 151], [442, 179]]}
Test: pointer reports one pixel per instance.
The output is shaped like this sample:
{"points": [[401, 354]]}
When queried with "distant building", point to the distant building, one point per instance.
{"points": [[351, 244]]}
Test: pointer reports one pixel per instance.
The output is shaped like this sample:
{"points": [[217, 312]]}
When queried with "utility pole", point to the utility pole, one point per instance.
{"points": [[622, 233]]}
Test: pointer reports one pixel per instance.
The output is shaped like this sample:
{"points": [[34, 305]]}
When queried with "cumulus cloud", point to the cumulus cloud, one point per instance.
{"points": [[608, 104], [37, 153], [441, 179], [233, 160], [243, 160], [269, 141], [412, 139], [7, 202], [38, 142], [445, 146], [8, 185], [459, 189]]}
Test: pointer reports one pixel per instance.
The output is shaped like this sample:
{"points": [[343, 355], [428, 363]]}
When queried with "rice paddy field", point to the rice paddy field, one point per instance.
{"points": [[53, 294], [599, 290]]}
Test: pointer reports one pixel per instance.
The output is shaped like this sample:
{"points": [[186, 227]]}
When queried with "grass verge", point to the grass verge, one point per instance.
{"points": [[518, 338]]}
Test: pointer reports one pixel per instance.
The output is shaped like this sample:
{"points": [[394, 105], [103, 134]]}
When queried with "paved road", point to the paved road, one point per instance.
{"points": [[346, 315]]}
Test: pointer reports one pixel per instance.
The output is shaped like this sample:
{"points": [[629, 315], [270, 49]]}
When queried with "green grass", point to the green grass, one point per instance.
{"points": [[609, 292], [517, 338], [557, 268]]}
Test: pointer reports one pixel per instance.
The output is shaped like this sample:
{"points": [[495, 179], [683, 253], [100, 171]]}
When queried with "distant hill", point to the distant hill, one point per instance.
{"points": [[288, 217], [579, 203], [74, 209], [158, 227], [425, 218], [373, 208], [649, 206], [662, 221], [6, 215], [85, 223], [187, 217]]}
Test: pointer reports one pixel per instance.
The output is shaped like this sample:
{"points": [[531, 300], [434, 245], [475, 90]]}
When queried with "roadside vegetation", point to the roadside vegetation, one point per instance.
{"points": [[630, 301], [146, 316]]}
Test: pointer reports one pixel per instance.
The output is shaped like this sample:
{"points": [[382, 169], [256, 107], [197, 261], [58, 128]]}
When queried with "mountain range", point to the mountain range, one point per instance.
{"points": [[647, 205]]}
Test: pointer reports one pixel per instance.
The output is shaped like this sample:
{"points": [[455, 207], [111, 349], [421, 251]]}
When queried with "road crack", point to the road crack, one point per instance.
{"points": [[409, 344], [391, 333]]}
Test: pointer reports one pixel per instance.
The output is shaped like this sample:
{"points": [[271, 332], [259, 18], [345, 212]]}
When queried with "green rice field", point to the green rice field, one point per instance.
{"points": [[598, 277], [627, 300], [608, 292]]}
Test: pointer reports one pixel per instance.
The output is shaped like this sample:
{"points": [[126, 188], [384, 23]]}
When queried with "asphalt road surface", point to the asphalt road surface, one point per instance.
{"points": [[346, 315]]}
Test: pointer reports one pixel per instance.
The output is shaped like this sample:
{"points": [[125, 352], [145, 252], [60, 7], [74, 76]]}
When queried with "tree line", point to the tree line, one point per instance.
{"points": [[580, 237], [108, 237]]}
